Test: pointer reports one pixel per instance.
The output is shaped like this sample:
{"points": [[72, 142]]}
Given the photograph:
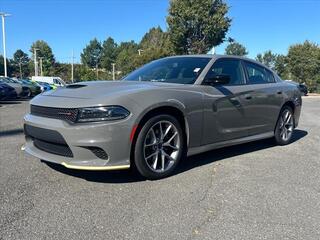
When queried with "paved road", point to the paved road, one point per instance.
{"points": [[251, 191]]}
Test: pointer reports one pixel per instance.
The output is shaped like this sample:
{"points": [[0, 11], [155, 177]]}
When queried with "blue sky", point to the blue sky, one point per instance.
{"points": [[70, 24]]}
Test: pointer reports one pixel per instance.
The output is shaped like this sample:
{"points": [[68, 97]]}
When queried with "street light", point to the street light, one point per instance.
{"points": [[3, 15]]}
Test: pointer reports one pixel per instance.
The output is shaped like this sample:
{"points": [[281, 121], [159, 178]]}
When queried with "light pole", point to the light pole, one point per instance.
{"points": [[35, 61], [72, 68], [3, 15], [41, 73], [113, 71]]}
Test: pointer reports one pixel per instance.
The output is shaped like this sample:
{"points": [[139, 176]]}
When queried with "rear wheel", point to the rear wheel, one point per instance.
{"points": [[159, 147], [285, 126]]}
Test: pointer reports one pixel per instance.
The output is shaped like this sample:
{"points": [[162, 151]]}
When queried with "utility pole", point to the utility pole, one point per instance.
{"points": [[140, 51], [41, 72], [113, 71], [72, 62], [3, 15], [35, 61], [97, 71]]}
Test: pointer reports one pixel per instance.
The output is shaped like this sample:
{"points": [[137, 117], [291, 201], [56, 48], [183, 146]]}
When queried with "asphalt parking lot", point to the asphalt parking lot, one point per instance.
{"points": [[252, 191]]}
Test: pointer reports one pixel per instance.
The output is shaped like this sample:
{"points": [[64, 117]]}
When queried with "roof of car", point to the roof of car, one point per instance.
{"points": [[217, 56]]}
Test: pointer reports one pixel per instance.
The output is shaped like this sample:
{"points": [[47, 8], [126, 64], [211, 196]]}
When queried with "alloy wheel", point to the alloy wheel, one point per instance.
{"points": [[162, 146], [286, 125]]}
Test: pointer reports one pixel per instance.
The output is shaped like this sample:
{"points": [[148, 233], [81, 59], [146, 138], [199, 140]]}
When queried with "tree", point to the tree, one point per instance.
{"points": [[109, 53], [155, 39], [9, 66], [281, 66], [304, 63], [196, 26], [91, 55], [44, 51], [20, 63], [267, 58], [237, 49], [127, 52]]}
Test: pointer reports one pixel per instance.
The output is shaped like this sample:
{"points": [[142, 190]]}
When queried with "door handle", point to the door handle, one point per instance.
{"points": [[279, 92], [248, 97], [235, 102]]}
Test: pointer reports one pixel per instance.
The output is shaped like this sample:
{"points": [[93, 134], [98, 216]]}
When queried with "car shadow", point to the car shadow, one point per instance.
{"points": [[8, 102], [126, 176], [11, 132]]}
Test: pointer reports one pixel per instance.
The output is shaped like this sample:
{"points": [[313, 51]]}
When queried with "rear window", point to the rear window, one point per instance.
{"points": [[258, 74]]}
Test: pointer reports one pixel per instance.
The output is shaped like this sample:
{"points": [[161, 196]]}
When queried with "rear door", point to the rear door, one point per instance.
{"points": [[264, 100], [225, 105]]}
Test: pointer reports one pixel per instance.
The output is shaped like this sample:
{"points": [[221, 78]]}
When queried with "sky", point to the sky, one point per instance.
{"points": [[69, 25]]}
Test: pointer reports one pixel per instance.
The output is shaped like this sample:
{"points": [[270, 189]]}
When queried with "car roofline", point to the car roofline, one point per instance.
{"points": [[218, 56]]}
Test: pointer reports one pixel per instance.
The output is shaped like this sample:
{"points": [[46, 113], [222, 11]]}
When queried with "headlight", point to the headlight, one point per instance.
{"points": [[95, 114]]}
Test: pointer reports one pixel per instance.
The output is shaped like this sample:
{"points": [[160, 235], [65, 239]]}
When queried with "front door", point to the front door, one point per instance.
{"points": [[225, 106]]}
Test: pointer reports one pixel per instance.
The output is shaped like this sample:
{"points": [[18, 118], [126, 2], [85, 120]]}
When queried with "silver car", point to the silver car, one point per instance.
{"points": [[157, 115]]}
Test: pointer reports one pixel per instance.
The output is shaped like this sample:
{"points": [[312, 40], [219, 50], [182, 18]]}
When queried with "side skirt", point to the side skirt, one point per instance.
{"points": [[205, 148]]}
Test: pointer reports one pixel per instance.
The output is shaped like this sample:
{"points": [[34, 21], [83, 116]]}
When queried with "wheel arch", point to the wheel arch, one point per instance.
{"points": [[175, 111], [290, 104]]}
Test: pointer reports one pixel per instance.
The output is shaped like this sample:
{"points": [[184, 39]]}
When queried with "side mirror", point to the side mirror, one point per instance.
{"points": [[217, 80]]}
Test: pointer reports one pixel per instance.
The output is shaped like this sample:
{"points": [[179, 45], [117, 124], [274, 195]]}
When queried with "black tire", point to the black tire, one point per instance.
{"points": [[279, 126], [140, 161]]}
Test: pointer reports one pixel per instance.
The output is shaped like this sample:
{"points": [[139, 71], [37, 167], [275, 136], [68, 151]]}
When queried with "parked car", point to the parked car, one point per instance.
{"points": [[7, 92], [302, 87], [21, 91], [55, 81], [33, 88], [160, 113], [44, 86]]}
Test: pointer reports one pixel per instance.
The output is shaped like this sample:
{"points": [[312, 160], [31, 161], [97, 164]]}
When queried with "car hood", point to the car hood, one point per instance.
{"points": [[97, 89], [96, 93]]}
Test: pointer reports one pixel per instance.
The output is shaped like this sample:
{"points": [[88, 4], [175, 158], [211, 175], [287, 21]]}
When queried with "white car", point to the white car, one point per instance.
{"points": [[57, 81]]}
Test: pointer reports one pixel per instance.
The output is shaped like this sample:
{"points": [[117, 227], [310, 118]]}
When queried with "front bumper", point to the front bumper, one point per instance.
{"points": [[111, 138]]}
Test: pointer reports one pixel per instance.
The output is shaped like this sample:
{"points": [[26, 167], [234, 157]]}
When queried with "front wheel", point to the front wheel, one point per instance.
{"points": [[159, 147], [285, 126]]}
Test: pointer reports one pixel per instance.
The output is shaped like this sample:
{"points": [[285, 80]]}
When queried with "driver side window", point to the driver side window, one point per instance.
{"points": [[229, 67]]}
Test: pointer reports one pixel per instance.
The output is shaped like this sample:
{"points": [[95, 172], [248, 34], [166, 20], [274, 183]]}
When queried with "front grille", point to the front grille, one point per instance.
{"points": [[58, 149], [68, 114]]}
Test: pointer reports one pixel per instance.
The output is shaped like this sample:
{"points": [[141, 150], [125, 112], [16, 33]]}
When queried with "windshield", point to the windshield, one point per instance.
{"points": [[183, 70]]}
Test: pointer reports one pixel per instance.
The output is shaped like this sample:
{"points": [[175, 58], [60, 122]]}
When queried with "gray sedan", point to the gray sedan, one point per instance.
{"points": [[159, 114]]}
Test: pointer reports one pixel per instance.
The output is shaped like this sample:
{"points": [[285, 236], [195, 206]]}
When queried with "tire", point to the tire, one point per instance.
{"points": [[285, 126], [156, 157]]}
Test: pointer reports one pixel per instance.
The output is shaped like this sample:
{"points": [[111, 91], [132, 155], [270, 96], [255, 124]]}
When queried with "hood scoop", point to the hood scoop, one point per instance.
{"points": [[72, 86]]}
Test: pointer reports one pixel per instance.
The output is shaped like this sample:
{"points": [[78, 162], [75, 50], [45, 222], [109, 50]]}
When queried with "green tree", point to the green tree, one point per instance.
{"points": [[155, 39], [267, 58], [237, 49], [92, 53], [281, 66], [196, 26], [127, 52], [10, 68], [109, 53], [44, 51], [304, 63], [20, 63]]}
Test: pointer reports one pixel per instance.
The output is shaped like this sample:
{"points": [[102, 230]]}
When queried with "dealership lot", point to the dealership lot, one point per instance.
{"points": [[252, 191]]}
